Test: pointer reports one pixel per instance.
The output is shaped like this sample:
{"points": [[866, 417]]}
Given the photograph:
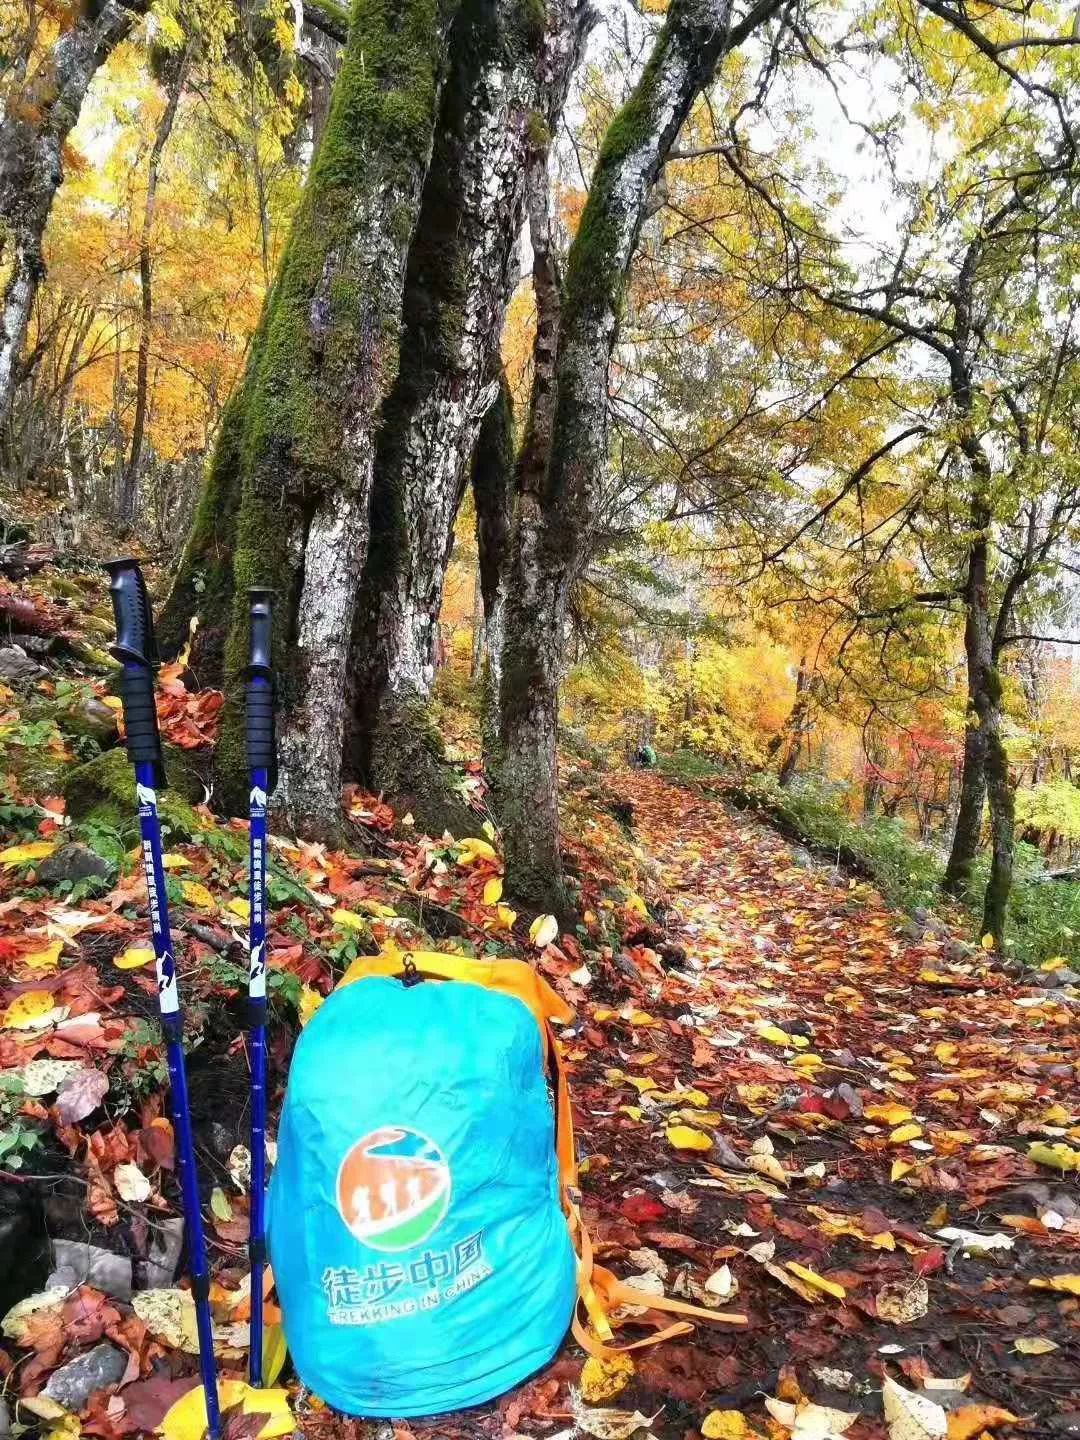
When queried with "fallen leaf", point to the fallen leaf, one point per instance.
{"points": [[23, 854], [46, 959], [196, 893], [1059, 1155], [970, 1420], [543, 930], [1034, 1345], [186, 1419], [725, 1425], [607, 1424], [169, 1315], [131, 1184], [310, 1000], [81, 1094], [134, 957], [32, 1010], [493, 890], [685, 1137], [817, 1282], [1066, 1284], [901, 1301], [13, 1324], [910, 1416], [603, 1379]]}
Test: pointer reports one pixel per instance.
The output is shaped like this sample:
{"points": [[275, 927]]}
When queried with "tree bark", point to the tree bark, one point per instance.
{"points": [[129, 488], [508, 82], [33, 131], [298, 447], [556, 499], [795, 727], [492, 483], [969, 815]]}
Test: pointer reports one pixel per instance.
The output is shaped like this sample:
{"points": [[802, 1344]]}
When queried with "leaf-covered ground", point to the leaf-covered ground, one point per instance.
{"points": [[792, 1103]]}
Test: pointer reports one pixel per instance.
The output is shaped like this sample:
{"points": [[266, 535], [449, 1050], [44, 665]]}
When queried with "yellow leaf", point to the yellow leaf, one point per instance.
{"points": [[173, 861], [240, 907], [987, 941], [471, 847], [493, 889], [1059, 1155], [133, 957], [46, 959], [602, 1380], [22, 854], [1034, 1345], [507, 917], [900, 1168], [1067, 1284], [348, 920], [903, 1133], [197, 894], [817, 1281], [636, 904], [186, 1420], [27, 1009], [685, 1137], [725, 1425], [274, 1352], [310, 1000], [543, 930], [945, 1052], [774, 1034], [889, 1112], [641, 1083]]}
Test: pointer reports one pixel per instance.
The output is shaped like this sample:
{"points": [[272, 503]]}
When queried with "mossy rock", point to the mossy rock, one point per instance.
{"points": [[103, 791]]}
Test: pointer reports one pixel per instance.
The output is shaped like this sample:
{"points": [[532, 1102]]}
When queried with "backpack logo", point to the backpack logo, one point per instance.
{"points": [[393, 1188]]}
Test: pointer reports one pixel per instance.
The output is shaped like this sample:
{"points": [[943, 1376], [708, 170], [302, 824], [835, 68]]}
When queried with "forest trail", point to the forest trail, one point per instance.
{"points": [[866, 1093]]}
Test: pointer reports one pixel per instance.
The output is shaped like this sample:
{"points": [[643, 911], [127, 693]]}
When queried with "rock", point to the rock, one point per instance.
{"points": [[955, 952], [1044, 979], [801, 857], [74, 1383], [5, 1420], [1068, 977], [16, 667], [76, 1262], [165, 1246], [73, 862], [91, 716]]}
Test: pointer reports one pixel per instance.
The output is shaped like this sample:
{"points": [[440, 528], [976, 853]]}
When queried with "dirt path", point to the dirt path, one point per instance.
{"points": [[862, 1094]]}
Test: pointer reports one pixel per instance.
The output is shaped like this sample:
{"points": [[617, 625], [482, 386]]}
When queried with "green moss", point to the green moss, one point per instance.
{"points": [[408, 761], [103, 791]]}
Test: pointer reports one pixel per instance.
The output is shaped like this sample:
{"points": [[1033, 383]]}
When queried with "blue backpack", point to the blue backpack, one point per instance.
{"points": [[419, 1246]]}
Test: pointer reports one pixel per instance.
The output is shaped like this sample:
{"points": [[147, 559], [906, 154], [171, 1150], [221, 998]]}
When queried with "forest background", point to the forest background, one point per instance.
{"points": [[826, 549]]}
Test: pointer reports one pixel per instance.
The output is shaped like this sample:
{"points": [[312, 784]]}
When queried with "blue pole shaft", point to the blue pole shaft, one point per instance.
{"points": [[172, 1025], [257, 1057]]}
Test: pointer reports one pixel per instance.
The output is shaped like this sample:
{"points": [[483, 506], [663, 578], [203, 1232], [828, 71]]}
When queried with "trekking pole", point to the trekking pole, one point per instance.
{"points": [[136, 650], [262, 770]]}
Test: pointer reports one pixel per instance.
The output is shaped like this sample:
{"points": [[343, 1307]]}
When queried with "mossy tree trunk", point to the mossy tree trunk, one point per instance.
{"points": [[33, 132], [510, 68], [298, 448], [557, 492]]}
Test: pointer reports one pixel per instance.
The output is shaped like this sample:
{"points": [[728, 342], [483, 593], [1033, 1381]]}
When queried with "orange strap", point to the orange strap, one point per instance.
{"points": [[600, 1293]]}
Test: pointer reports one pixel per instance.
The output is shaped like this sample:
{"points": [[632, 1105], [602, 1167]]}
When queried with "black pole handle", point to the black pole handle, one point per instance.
{"points": [[136, 649], [259, 691]]}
